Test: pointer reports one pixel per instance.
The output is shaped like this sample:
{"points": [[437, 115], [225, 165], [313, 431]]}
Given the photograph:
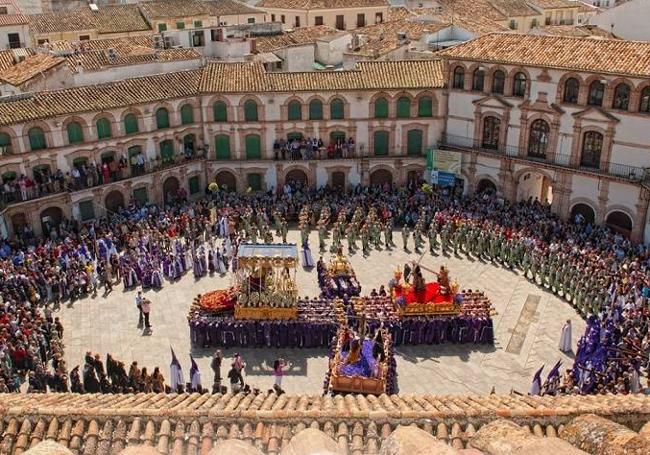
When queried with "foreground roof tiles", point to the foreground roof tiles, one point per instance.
{"points": [[173, 423], [251, 77], [583, 54]]}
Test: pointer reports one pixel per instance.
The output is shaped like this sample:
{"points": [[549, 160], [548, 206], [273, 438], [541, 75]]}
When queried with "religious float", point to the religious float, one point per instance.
{"points": [[337, 279], [361, 365], [266, 280], [421, 298]]}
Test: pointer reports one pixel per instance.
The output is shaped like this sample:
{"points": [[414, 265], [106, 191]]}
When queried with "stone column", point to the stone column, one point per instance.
{"points": [[562, 194], [603, 199], [640, 215], [508, 187], [279, 176]]}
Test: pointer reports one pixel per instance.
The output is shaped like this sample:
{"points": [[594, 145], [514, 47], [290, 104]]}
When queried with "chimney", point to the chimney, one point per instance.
{"points": [[253, 42]]}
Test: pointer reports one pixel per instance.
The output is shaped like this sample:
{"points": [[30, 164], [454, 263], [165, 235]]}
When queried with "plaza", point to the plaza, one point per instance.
{"points": [[527, 327]]}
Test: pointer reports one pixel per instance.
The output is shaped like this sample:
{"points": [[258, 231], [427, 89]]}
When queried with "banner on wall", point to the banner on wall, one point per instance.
{"points": [[442, 178], [446, 161]]}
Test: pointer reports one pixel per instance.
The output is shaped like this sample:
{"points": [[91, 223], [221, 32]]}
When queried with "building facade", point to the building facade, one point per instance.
{"points": [[538, 117], [221, 123]]}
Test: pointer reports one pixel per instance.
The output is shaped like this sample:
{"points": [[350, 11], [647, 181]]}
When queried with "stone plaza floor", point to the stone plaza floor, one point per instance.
{"points": [[527, 330]]}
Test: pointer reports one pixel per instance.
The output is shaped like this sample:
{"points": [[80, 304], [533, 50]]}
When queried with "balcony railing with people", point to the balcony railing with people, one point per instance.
{"points": [[16, 189], [625, 171]]}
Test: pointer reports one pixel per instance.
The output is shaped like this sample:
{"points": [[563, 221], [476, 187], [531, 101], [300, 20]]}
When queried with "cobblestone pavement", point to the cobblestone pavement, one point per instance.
{"points": [[527, 331]]}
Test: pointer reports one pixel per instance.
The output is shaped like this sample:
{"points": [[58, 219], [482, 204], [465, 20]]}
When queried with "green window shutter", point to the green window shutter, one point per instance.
{"points": [[131, 124], [75, 133], [253, 149], [414, 142], [103, 128], [162, 118], [140, 195], [195, 184], [250, 111], [5, 143], [187, 114], [336, 136], [425, 107], [295, 111], [222, 144], [381, 143], [162, 28], [381, 108], [78, 162], [167, 151], [294, 135], [198, 24], [403, 107], [220, 112], [337, 109], [86, 210], [255, 182], [180, 25], [37, 139], [316, 110]]}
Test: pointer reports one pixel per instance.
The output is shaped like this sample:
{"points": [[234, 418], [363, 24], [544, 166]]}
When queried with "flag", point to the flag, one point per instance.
{"points": [[195, 374], [536, 386], [175, 372], [555, 371]]}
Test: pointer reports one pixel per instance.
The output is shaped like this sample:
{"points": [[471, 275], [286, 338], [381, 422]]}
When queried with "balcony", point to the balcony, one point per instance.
{"points": [[624, 171]]}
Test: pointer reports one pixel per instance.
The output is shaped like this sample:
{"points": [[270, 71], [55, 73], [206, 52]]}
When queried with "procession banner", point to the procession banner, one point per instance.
{"points": [[447, 161]]}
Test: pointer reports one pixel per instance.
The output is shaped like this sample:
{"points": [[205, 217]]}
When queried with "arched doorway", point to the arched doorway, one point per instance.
{"points": [[114, 202], [486, 186], [534, 186], [297, 176], [381, 177], [413, 177], [226, 180], [51, 217], [619, 222], [583, 213], [19, 221], [338, 180], [170, 189]]}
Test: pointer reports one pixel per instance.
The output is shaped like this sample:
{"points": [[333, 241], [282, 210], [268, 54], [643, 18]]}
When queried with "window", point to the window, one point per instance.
{"points": [[86, 210], [478, 80], [14, 40], [538, 139], [621, 97], [592, 146], [571, 90], [220, 111], [162, 118], [340, 22], [75, 133], [337, 109], [459, 78], [5, 144], [403, 107], [255, 182], [167, 151], [596, 92], [282, 18], [130, 124], [414, 142], [297, 23], [294, 110], [194, 184], [425, 107], [180, 25], [103, 126], [513, 24], [3, 10], [187, 114], [36, 138], [361, 20], [498, 82], [251, 20], [381, 143], [272, 17], [491, 130], [318, 20], [644, 102], [162, 28], [198, 24], [84, 37], [381, 108], [519, 85], [315, 110], [253, 147], [250, 111], [222, 146], [533, 23], [379, 18]]}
